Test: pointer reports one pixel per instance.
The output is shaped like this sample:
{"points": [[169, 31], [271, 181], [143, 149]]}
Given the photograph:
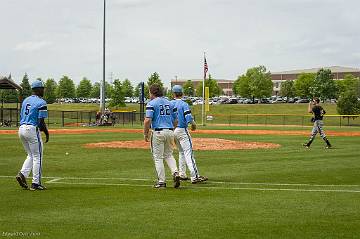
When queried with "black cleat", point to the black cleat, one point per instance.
{"points": [[160, 185], [22, 180], [35, 186], [328, 146], [306, 146], [176, 178], [199, 179]]}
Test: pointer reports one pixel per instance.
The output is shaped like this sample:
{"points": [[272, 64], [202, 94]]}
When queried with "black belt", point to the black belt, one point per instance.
{"points": [[159, 129]]}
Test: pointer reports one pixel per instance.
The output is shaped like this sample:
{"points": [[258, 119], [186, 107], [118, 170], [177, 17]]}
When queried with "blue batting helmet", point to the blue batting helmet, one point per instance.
{"points": [[37, 84], [177, 89]]}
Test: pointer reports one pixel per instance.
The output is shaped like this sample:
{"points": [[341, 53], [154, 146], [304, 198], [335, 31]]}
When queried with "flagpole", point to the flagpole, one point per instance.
{"points": [[203, 96]]}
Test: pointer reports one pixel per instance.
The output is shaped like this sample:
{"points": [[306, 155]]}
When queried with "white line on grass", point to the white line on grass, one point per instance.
{"points": [[209, 182], [53, 180], [217, 188]]}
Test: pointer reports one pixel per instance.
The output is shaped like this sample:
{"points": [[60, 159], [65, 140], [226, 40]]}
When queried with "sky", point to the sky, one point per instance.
{"points": [[52, 38]]}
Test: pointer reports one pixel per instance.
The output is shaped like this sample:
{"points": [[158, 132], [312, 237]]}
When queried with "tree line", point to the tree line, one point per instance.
{"points": [[255, 83], [66, 88]]}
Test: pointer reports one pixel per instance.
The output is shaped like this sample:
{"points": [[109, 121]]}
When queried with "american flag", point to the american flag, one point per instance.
{"points": [[205, 67]]}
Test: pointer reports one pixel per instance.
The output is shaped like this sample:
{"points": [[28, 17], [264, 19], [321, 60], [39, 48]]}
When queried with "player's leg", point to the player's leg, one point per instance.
{"points": [[27, 165], [36, 147], [186, 144], [169, 158], [322, 133], [314, 131], [182, 162], [157, 150]]}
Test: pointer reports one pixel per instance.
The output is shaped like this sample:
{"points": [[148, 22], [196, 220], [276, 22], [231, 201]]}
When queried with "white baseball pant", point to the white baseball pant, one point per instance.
{"points": [[162, 149], [186, 155], [30, 137]]}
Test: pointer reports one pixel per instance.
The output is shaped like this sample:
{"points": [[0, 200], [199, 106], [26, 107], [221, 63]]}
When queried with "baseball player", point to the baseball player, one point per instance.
{"points": [[183, 138], [318, 111], [33, 113], [161, 116]]}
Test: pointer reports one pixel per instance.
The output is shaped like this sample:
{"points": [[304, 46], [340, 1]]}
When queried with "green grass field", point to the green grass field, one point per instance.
{"points": [[289, 192]]}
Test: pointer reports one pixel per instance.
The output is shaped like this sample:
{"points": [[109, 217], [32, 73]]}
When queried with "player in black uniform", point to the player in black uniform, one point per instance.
{"points": [[318, 112]]}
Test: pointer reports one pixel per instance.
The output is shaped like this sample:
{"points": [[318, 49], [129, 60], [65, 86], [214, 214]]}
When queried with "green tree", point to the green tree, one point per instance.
{"points": [[235, 86], [84, 88], [255, 83], [128, 88], [260, 82], [95, 91], [169, 94], [348, 103], [188, 88], [242, 86], [108, 90], [287, 89], [350, 82], [66, 88], [26, 88], [153, 79], [50, 91], [303, 85], [9, 96], [324, 85], [214, 88], [137, 90], [117, 94]]}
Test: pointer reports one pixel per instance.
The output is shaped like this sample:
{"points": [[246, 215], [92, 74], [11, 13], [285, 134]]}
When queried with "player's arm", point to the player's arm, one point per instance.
{"points": [[189, 118], [174, 115], [323, 111], [43, 128], [43, 114], [310, 107], [147, 124], [147, 121]]}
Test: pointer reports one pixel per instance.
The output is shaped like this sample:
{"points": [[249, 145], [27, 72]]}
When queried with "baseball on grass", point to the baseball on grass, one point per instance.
{"points": [[66, 153]]}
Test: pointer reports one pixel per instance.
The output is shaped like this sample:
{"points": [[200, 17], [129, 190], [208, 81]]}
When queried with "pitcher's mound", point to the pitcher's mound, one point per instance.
{"points": [[198, 144]]}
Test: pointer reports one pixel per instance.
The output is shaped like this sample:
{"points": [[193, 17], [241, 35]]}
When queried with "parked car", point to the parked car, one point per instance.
{"points": [[265, 101], [278, 100], [302, 101], [232, 101]]}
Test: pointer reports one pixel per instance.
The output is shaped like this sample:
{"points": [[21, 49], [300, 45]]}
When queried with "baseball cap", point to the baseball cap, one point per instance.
{"points": [[37, 84], [177, 89]]}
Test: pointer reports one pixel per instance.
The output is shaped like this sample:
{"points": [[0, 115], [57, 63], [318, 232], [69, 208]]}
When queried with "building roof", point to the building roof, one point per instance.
{"points": [[6, 83], [334, 69]]}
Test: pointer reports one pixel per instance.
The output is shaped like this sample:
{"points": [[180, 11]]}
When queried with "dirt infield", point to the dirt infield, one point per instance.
{"points": [[199, 144], [201, 131]]}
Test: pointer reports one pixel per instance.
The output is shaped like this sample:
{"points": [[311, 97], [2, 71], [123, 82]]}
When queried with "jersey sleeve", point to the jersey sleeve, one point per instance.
{"points": [[149, 110], [187, 114], [43, 112]]}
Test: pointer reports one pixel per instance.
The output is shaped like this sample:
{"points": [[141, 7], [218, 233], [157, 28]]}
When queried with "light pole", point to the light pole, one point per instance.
{"points": [[102, 104]]}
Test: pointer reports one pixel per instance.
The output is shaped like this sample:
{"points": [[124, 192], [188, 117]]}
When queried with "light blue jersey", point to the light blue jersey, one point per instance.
{"points": [[184, 113], [33, 108], [162, 113]]}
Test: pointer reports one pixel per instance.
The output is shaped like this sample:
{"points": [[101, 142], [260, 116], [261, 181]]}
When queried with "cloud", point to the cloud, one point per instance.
{"points": [[30, 46]]}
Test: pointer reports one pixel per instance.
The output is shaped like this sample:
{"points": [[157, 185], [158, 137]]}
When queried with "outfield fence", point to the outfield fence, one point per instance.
{"points": [[279, 119], [9, 117]]}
